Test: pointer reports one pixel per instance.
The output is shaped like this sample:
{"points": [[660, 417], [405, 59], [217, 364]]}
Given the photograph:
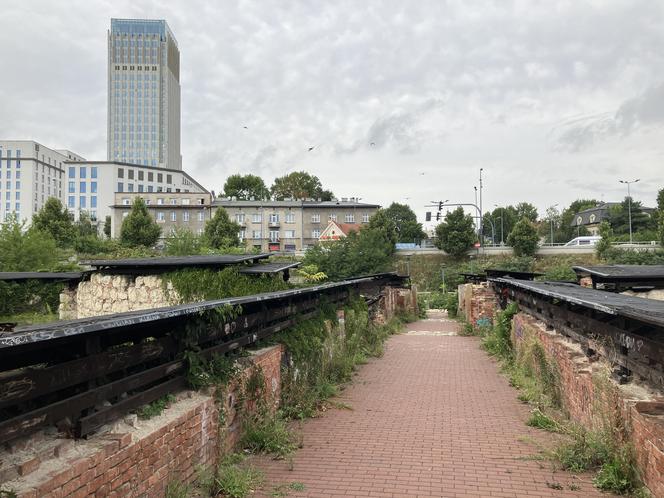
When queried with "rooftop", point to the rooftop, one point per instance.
{"points": [[135, 265]]}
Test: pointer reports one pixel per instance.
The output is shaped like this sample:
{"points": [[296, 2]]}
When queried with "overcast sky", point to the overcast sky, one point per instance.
{"points": [[556, 100]]}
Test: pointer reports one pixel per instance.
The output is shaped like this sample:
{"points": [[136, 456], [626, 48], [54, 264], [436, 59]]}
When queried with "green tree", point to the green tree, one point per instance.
{"points": [[619, 217], [299, 185], [455, 235], [526, 210], [606, 232], [405, 221], [53, 218], [107, 227], [182, 242], [567, 231], [25, 250], [138, 228], [84, 226], [244, 187], [523, 238], [382, 223], [220, 231]]}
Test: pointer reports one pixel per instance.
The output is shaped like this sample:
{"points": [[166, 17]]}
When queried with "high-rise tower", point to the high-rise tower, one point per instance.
{"points": [[143, 93]]}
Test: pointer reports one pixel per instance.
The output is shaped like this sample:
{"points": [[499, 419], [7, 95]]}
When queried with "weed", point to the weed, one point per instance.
{"points": [[155, 408], [7, 493], [574, 487], [282, 489], [542, 421], [618, 474], [267, 433], [554, 485], [237, 482], [177, 489]]}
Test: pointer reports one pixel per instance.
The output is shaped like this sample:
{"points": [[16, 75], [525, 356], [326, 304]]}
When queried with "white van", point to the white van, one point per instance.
{"points": [[590, 240]]}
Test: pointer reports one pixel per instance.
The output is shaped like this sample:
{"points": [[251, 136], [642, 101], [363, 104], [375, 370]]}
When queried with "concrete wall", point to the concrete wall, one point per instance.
{"points": [[140, 458]]}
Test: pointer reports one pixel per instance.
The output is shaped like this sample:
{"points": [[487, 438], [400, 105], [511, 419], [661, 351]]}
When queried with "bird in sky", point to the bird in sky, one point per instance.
{"points": [[373, 143], [246, 127], [311, 148]]}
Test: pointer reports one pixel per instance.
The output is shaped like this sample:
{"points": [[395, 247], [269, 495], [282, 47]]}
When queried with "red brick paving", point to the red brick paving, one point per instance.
{"points": [[432, 417]]}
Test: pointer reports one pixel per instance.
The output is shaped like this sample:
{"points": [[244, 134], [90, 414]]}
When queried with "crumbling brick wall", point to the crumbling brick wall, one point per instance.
{"points": [[592, 398], [138, 459], [477, 303], [397, 299]]}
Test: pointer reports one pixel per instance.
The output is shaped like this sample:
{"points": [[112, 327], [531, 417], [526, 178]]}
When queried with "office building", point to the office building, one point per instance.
{"points": [[143, 94]]}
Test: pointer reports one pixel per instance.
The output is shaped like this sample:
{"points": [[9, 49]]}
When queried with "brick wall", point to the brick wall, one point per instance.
{"points": [[397, 299], [477, 303], [591, 398], [139, 460]]}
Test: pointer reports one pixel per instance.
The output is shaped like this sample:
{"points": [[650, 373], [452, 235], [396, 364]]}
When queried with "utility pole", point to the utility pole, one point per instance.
{"points": [[481, 213], [551, 220], [502, 215], [629, 205]]}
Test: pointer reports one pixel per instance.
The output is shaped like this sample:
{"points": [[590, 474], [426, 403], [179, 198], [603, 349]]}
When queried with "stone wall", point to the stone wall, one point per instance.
{"points": [[591, 398], [477, 303], [105, 294], [397, 299], [657, 294], [138, 458]]}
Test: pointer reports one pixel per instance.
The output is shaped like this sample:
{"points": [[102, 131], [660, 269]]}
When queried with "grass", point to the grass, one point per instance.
{"points": [[29, 319], [542, 421], [155, 408], [178, 489], [230, 478], [282, 489], [268, 433]]}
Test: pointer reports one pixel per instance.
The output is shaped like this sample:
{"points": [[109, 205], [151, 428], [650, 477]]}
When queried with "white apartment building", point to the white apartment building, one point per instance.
{"points": [[30, 173], [143, 94]]}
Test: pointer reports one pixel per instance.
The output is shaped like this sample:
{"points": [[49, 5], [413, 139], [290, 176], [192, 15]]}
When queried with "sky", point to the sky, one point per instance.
{"points": [[402, 101]]}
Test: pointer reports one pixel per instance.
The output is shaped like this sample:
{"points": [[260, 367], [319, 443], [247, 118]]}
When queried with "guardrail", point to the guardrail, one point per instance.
{"points": [[81, 374]]}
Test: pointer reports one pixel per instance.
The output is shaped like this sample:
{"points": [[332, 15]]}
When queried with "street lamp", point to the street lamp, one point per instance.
{"points": [[551, 220], [629, 205]]}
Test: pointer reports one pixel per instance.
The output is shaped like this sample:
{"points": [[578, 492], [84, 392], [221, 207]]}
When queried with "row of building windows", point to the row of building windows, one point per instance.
{"points": [[160, 216], [171, 201], [17, 196], [8, 185], [275, 235], [8, 174], [82, 202], [82, 172], [82, 187], [290, 218], [140, 175]]}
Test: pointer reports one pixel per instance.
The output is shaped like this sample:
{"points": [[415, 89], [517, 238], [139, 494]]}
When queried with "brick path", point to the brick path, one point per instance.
{"points": [[432, 417]]}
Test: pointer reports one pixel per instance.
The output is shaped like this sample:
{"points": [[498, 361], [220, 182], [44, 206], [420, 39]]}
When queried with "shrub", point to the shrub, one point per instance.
{"points": [[220, 231], [182, 242], [523, 238], [138, 228]]}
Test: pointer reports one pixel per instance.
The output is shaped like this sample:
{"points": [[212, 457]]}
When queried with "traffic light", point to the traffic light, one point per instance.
{"points": [[438, 216], [427, 217], [440, 205]]}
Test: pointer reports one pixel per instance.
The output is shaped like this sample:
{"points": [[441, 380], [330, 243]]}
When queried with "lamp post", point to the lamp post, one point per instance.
{"points": [[629, 205], [502, 213], [551, 220], [481, 212]]}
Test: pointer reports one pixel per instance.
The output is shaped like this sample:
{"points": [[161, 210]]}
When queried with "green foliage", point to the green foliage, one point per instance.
{"points": [[178, 489], [182, 242], [604, 244], [618, 256], [567, 231], [299, 185], [54, 219], [244, 187], [220, 231], [155, 408], [91, 245], [29, 297], [25, 250], [107, 227], [405, 221], [268, 433], [232, 479], [439, 300], [138, 228], [619, 474], [204, 284], [219, 370], [497, 341], [456, 234], [523, 238], [311, 275], [619, 217], [542, 421], [7, 493], [560, 273], [360, 253], [382, 223], [526, 210]]}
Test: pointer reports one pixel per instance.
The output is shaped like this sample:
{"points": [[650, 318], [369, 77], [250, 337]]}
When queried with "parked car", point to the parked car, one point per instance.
{"points": [[590, 240]]}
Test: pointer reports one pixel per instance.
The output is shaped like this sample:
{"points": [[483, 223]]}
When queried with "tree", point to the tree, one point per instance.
{"points": [[138, 228], [299, 185], [405, 221], [220, 231], [84, 226], [25, 250], [107, 227], [182, 242], [53, 218], [382, 223], [526, 210], [523, 238], [567, 232], [244, 187], [456, 234], [619, 217], [605, 242]]}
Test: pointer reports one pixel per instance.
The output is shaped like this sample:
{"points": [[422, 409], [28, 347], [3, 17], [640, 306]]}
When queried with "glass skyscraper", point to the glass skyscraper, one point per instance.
{"points": [[143, 93]]}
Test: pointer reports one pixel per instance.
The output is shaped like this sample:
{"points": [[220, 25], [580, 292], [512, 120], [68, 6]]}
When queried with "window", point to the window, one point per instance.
{"points": [[125, 201], [72, 172], [349, 218], [93, 201], [242, 235], [82, 186], [315, 234], [140, 188], [186, 202], [239, 218], [120, 187], [93, 187], [81, 202], [256, 234], [130, 187], [274, 218], [82, 172], [18, 185], [201, 216], [274, 235], [365, 218], [93, 171], [150, 176], [130, 174], [174, 216], [185, 216], [71, 202], [160, 178], [120, 172], [72, 187], [333, 217], [174, 202], [289, 234], [160, 201], [141, 176], [257, 218], [290, 217], [160, 216], [315, 218], [150, 188], [169, 178]]}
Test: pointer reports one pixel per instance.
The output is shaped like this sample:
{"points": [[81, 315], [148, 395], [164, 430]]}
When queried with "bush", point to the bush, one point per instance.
{"points": [[523, 238], [560, 273], [138, 228], [220, 231], [182, 242]]}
